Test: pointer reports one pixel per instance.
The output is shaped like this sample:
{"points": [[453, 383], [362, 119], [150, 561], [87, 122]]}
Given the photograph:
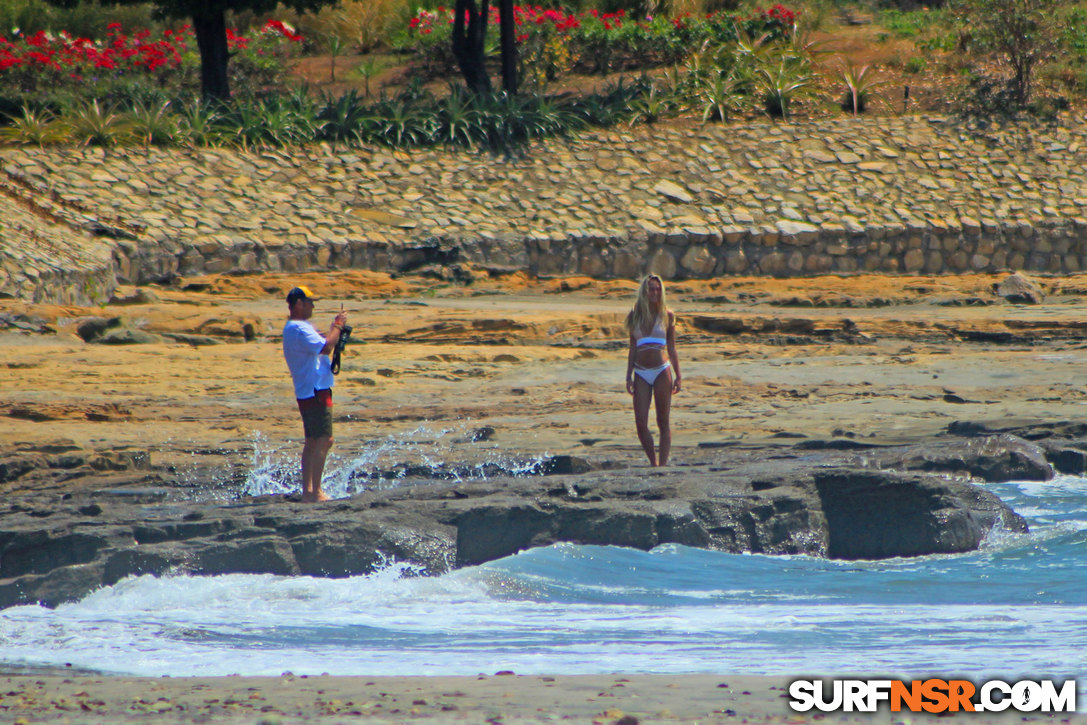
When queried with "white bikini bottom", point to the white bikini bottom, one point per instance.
{"points": [[650, 375]]}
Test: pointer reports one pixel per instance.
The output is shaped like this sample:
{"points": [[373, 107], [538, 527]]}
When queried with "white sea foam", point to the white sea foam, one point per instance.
{"points": [[449, 452]]}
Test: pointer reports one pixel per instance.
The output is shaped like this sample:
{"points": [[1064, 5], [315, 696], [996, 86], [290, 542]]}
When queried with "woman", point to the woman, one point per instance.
{"points": [[652, 365]]}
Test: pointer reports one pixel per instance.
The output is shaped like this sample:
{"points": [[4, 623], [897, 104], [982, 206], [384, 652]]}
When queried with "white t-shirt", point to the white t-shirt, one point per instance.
{"points": [[310, 369]]}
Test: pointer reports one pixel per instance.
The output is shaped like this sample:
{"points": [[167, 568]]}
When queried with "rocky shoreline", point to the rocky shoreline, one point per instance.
{"points": [[851, 500], [907, 194], [838, 418]]}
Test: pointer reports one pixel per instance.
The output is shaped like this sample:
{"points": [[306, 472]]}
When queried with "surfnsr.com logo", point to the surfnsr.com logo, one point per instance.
{"points": [[933, 695]]}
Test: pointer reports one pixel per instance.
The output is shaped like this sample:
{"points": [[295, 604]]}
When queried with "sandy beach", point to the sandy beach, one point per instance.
{"points": [[496, 698]]}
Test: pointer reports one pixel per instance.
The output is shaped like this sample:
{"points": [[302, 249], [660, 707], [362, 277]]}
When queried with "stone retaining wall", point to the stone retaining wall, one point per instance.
{"points": [[42, 260], [894, 195]]}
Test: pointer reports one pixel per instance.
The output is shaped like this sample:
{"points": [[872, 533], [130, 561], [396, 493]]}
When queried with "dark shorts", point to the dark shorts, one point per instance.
{"points": [[317, 414]]}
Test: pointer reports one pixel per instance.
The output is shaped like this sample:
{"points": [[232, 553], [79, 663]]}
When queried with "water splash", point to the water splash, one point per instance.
{"points": [[459, 452]]}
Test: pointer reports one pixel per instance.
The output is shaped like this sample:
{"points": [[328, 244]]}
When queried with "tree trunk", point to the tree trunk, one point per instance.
{"points": [[468, 44], [210, 27], [509, 47]]}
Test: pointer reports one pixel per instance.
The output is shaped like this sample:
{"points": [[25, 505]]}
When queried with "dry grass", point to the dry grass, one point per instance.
{"points": [[362, 25]]}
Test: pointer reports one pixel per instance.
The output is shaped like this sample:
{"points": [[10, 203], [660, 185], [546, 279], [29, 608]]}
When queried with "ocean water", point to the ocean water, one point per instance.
{"points": [[1017, 608]]}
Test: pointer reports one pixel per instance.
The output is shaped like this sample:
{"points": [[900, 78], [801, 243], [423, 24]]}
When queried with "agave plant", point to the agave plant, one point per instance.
{"points": [[96, 124], [285, 126], [244, 122], [781, 80], [803, 45], [272, 122], [593, 110], [201, 124], [654, 105], [341, 120], [548, 116], [719, 96], [610, 106], [155, 124], [398, 122], [35, 128], [503, 121], [752, 47], [458, 121], [861, 85], [698, 68]]}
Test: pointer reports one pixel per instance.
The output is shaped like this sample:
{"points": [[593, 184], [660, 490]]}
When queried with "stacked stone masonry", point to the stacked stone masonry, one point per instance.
{"points": [[906, 194]]}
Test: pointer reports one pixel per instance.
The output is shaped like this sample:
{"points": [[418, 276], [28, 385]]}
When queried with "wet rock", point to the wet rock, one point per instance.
{"points": [[1066, 459], [840, 444], [881, 515], [993, 459], [798, 506], [121, 459], [13, 467], [483, 433], [564, 465], [269, 554]]}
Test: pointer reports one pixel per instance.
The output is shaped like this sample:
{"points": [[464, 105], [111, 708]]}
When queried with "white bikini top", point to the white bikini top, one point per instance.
{"points": [[656, 336]]}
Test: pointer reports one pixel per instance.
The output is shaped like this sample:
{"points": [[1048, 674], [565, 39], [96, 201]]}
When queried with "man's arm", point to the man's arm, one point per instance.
{"points": [[333, 334]]}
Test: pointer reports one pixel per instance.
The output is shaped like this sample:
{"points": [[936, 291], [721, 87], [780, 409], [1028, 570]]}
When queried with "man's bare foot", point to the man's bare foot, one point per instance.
{"points": [[317, 497]]}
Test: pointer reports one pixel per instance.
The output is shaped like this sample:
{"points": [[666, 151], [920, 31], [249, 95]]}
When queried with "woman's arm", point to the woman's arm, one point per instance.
{"points": [[672, 356], [630, 364]]}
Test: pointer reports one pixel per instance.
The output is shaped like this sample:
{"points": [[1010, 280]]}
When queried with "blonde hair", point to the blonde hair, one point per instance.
{"points": [[643, 317]]}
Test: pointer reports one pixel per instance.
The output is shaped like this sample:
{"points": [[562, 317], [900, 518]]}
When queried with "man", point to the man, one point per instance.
{"points": [[306, 351]]}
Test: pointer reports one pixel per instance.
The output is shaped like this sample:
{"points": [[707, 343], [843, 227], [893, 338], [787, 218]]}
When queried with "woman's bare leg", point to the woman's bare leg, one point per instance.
{"points": [[662, 394], [643, 397]]}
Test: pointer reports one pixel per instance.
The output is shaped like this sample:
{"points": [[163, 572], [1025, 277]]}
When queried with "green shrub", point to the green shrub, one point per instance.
{"points": [[85, 19], [915, 64], [1017, 35], [910, 24], [1074, 31], [26, 16], [91, 19]]}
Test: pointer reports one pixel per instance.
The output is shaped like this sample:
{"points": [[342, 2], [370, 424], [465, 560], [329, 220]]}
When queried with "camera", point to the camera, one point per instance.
{"points": [[341, 343]]}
